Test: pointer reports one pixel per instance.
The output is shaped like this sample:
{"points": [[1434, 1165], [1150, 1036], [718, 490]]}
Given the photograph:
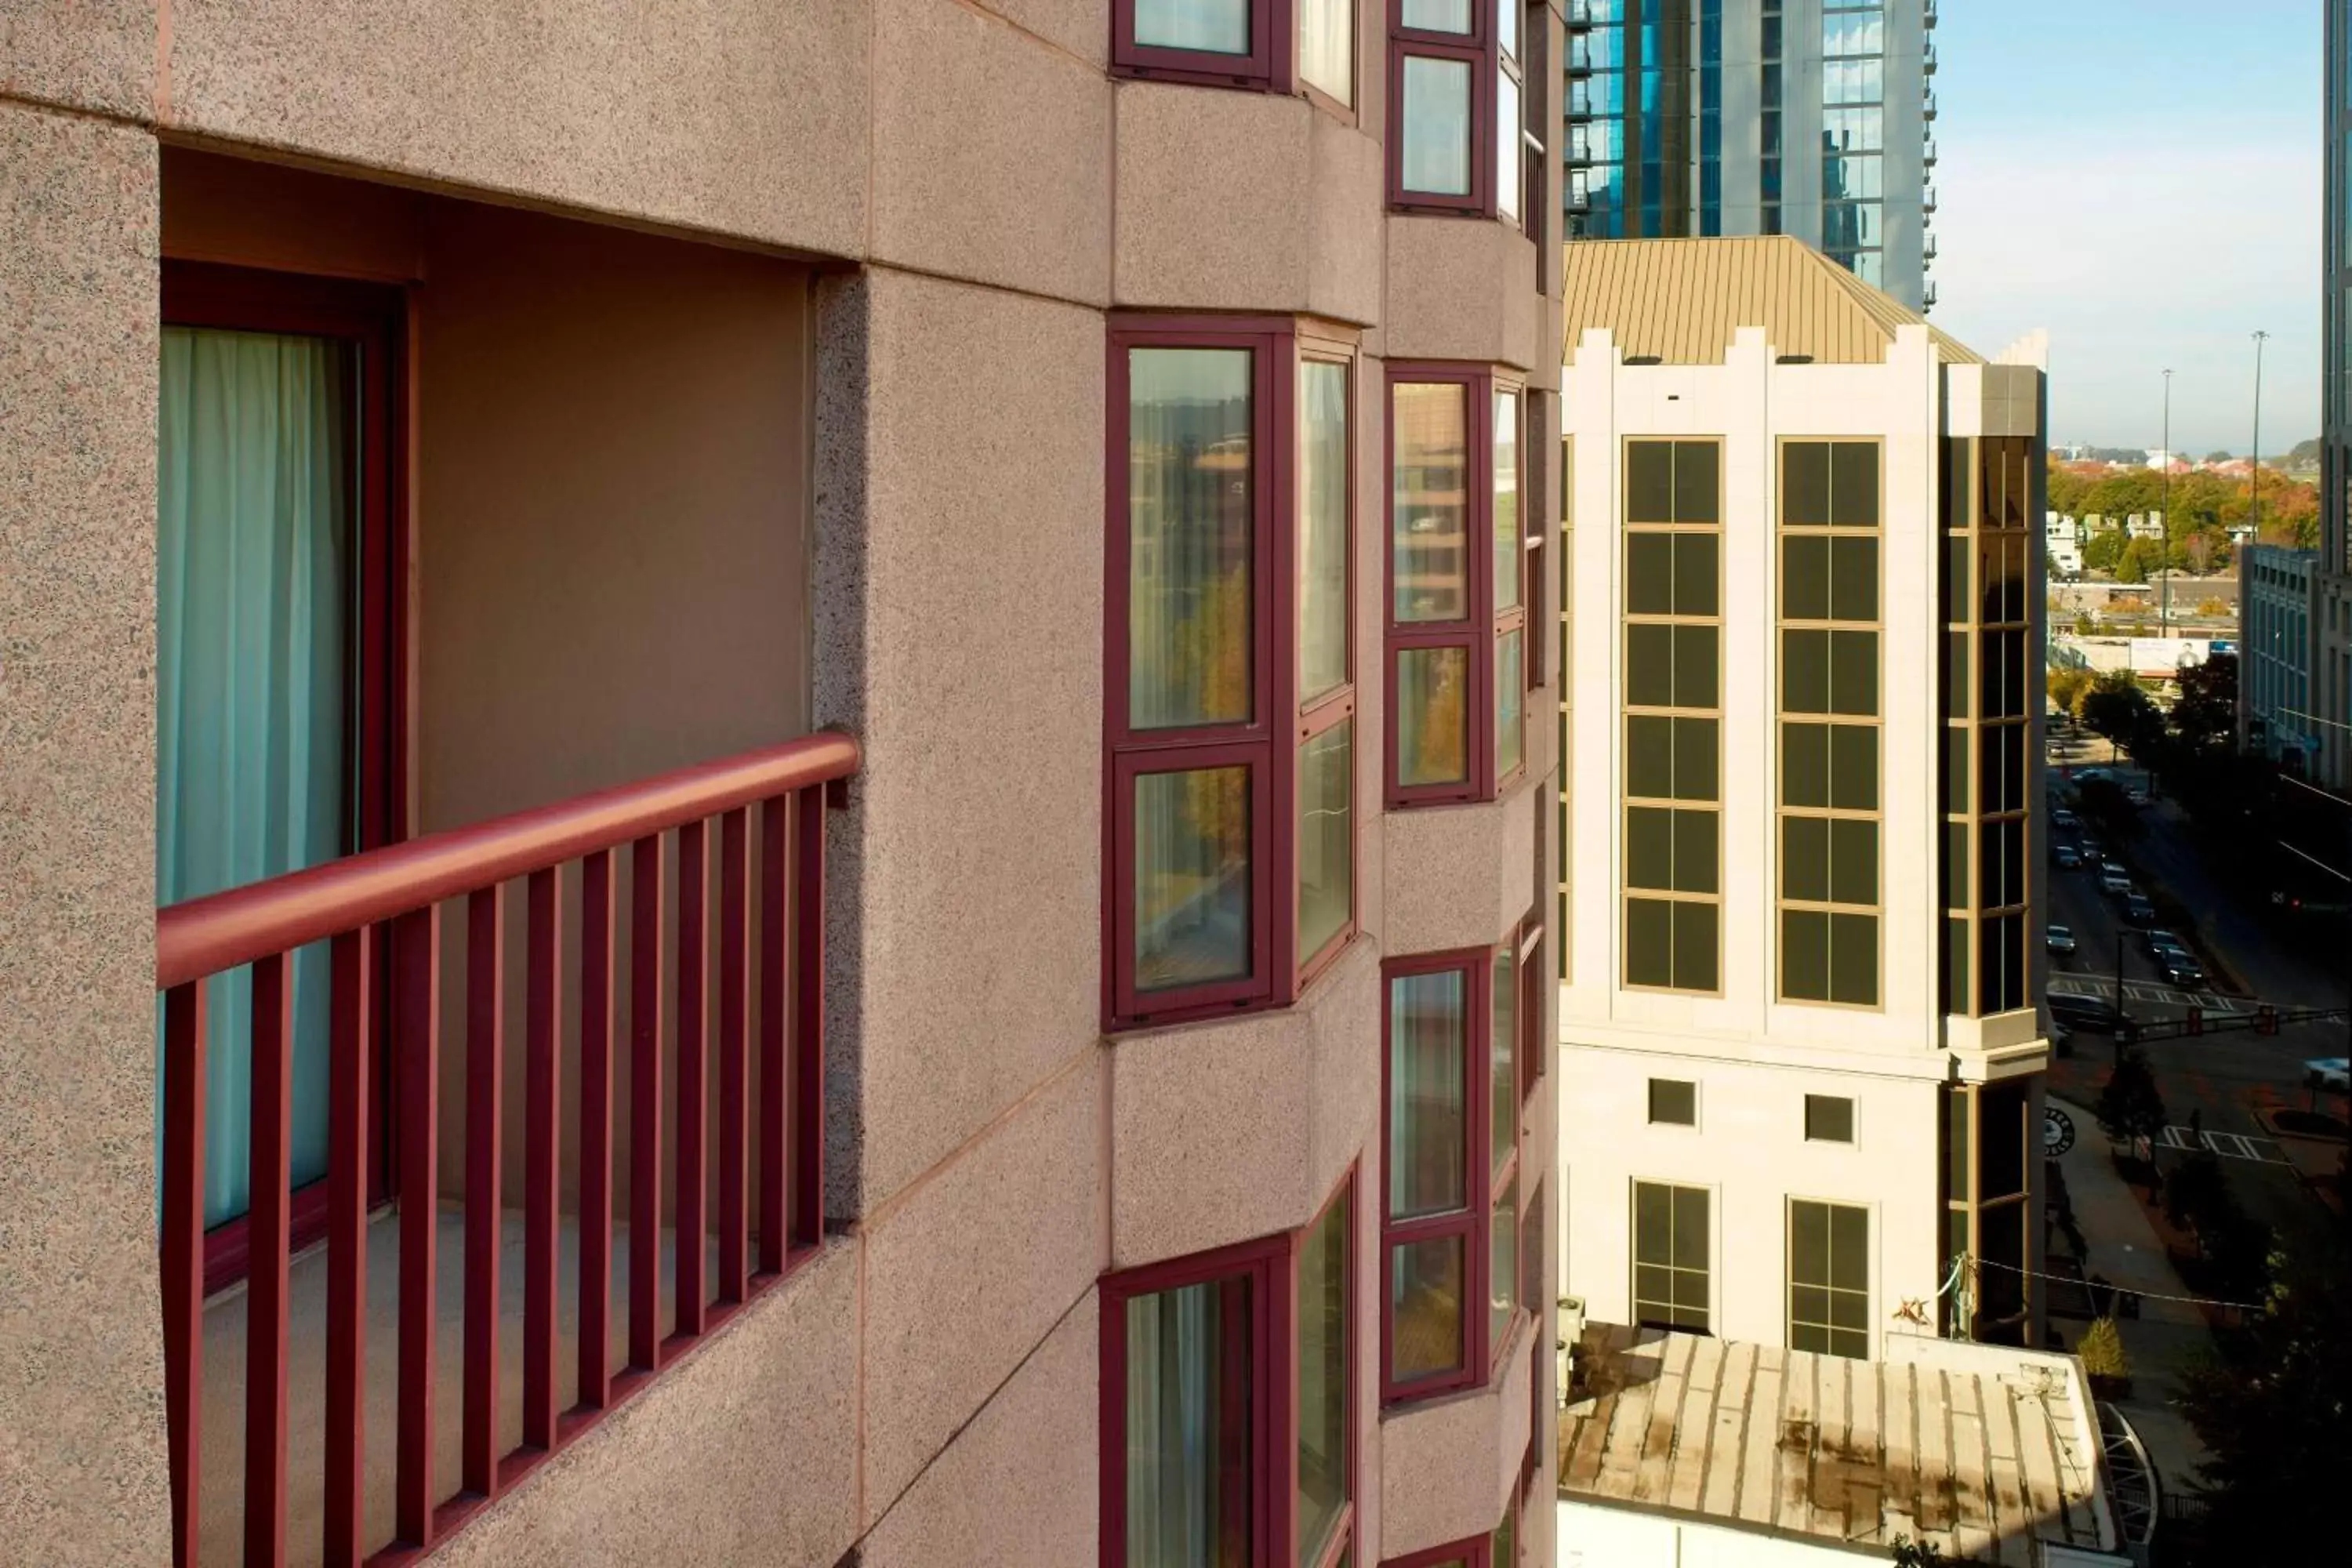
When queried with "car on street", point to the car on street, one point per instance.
{"points": [[2065, 858], [2179, 969], [2155, 944], [2064, 821], [2091, 1013], [2138, 910], [2058, 939], [2139, 797], [2328, 1072], [2115, 879]]}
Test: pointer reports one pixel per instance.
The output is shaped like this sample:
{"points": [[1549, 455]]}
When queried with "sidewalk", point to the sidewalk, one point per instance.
{"points": [[2168, 1337]]}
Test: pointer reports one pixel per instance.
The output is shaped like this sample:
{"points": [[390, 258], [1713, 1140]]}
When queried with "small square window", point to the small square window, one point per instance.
{"points": [[1674, 1102], [1829, 1119]]}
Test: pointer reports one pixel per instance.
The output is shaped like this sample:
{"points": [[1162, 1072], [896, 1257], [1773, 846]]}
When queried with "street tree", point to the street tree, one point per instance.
{"points": [[2204, 714], [2130, 1108], [2066, 683], [2114, 706]]}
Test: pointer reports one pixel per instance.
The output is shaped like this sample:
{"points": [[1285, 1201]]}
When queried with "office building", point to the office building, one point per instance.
{"points": [[1811, 118], [2279, 609], [745, 821], [1800, 1060], [2331, 643]]}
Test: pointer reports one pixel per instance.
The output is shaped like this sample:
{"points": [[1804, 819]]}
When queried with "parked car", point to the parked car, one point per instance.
{"points": [[2138, 910], [2065, 858], [2328, 1072], [2064, 820], [2058, 939], [2179, 969], [2091, 1013]]}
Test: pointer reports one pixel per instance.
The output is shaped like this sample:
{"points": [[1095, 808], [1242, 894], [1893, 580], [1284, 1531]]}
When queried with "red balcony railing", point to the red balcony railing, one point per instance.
{"points": [[380, 914]]}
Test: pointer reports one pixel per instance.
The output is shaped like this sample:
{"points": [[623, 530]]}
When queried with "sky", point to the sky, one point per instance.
{"points": [[2141, 177]]}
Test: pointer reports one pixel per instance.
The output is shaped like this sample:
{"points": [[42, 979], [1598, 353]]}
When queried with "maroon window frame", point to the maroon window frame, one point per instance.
{"points": [[1477, 49], [374, 318], [1482, 1182], [1269, 66], [1280, 722], [1479, 633], [1271, 1265], [1512, 619], [1532, 1055]]}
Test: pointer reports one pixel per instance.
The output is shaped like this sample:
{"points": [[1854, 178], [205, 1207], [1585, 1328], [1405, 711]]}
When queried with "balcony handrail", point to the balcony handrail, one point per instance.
{"points": [[223, 929]]}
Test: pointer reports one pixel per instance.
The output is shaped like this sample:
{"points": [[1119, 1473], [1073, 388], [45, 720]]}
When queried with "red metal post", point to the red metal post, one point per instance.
{"points": [[351, 1070], [807, 1115], [184, 1254], [693, 1085], [270, 1226], [734, 963], [416, 1043], [485, 1068], [543, 1031], [644, 1102], [596, 972], [775, 1085]]}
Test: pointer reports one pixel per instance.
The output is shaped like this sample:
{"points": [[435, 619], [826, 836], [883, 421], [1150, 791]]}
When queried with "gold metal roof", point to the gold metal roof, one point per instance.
{"points": [[1682, 300]]}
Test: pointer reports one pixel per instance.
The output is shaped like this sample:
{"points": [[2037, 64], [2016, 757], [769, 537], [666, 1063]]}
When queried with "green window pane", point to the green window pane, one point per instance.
{"points": [[1210, 26], [1327, 860], [1853, 673], [1805, 956], [1955, 587], [1503, 1262], [1808, 1255], [1849, 1246], [1805, 578], [1653, 1289], [1694, 851], [1191, 522], [1510, 703], [1322, 527], [1325, 1366], [1427, 1292], [1674, 1101], [1191, 877], [1854, 484], [1690, 1230], [1191, 1369], [1649, 574], [1956, 866], [1854, 767], [1956, 987], [1805, 858], [1650, 756], [1429, 1056], [1649, 481], [1829, 1119], [1694, 466], [1650, 666], [1437, 16], [1502, 1061], [1508, 549], [1696, 570], [1649, 941], [1854, 960], [1955, 675], [1804, 484], [1649, 847], [1694, 759], [1956, 770], [1654, 1218], [1695, 946], [1803, 1336], [1432, 731], [1695, 666], [1805, 764], [1436, 126], [1805, 671], [1429, 423], [1853, 579], [1853, 861]]}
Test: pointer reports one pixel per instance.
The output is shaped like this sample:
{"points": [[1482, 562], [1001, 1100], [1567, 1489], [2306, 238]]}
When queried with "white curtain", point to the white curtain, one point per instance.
{"points": [[1177, 1513], [253, 535]]}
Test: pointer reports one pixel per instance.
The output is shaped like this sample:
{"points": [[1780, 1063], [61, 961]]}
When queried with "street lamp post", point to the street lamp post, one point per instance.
{"points": [[2164, 605], [2254, 484]]}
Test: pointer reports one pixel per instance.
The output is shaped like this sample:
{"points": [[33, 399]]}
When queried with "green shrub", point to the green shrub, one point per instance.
{"points": [[2102, 1349]]}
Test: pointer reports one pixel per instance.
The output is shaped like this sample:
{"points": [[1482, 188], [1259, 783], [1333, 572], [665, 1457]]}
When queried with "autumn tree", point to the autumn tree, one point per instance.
{"points": [[2066, 684]]}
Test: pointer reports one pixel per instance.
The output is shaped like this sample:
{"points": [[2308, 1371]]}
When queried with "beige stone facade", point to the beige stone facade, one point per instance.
{"points": [[759, 356]]}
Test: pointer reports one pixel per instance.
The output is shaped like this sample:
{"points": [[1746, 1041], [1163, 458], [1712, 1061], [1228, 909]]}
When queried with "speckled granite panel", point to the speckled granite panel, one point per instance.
{"points": [[97, 54]]}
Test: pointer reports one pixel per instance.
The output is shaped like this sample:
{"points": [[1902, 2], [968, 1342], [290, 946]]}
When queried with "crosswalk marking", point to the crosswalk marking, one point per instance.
{"points": [[2227, 1145], [2149, 993]]}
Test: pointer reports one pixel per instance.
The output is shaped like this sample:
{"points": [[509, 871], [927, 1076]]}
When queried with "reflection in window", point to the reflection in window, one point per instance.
{"points": [[1191, 877], [1325, 1362], [1437, 16], [1433, 717], [1670, 1257], [1326, 46], [1322, 527], [1214, 26], [1430, 426], [1428, 1023], [1427, 1287], [1190, 1425], [1190, 475], [1436, 126], [1326, 833], [1829, 1279]]}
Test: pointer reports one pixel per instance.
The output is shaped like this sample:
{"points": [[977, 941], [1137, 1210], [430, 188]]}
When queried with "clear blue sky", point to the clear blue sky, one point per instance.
{"points": [[2142, 178]]}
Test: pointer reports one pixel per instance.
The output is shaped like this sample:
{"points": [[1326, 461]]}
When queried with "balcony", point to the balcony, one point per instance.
{"points": [[1927, 295], [1929, 19], [1927, 153], [1927, 245], [1927, 198], [1928, 57], [1928, 104], [270, 1390], [1580, 14]]}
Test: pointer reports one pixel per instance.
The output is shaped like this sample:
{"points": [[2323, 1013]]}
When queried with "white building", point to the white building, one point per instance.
{"points": [[2061, 540], [2144, 525], [1799, 901]]}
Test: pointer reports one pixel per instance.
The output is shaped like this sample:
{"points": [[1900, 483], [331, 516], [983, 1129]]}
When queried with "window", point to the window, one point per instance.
{"points": [[1829, 1119], [1829, 1279], [1451, 1150], [1199, 1354], [1673, 624], [1674, 1102], [1670, 1257], [1456, 67], [1230, 667], [1828, 820], [1457, 646], [1988, 1183], [1272, 46]]}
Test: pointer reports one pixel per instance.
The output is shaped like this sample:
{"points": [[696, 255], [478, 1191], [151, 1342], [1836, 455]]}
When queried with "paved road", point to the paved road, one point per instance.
{"points": [[2222, 1078]]}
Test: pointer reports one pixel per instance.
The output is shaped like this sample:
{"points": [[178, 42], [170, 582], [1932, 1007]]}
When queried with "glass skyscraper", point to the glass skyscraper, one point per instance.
{"points": [[2331, 640], [1814, 118]]}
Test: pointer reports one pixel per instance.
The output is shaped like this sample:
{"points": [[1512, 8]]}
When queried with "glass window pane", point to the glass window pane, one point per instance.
{"points": [[1649, 942], [1808, 1245], [1829, 1119], [1436, 126], [1854, 484], [1854, 960], [1507, 26], [1431, 424], [1650, 756], [1190, 1397], [1502, 1077], [1327, 860], [1502, 1264], [1853, 579], [1653, 1221], [1433, 735], [1650, 666], [1674, 1101], [1805, 764], [1804, 858], [1427, 1286], [1694, 851], [1849, 1244], [1649, 481], [1189, 537], [1649, 574], [1649, 847], [1428, 1023], [1191, 877], [1695, 666], [1326, 46], [1694, 759], [1804, 484], [1695, 946], [1853, 861], [1804, 577], [1508, 145], [1510, 703], [1324, 1367], [1219, 27], [1853, 673], [1508, 547], [1695, 573], [1322, 527], [1805, 671], [1437, 16], [1805, 956], [1690, 1227], [1695, 498], [1854, 767]]}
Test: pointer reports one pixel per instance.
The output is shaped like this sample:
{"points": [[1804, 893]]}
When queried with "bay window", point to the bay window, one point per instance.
{"points": [[1458, 81], [1273, 45], [1230, 665], [1229, 1428], [1451, 1136], [1457, 638]]}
